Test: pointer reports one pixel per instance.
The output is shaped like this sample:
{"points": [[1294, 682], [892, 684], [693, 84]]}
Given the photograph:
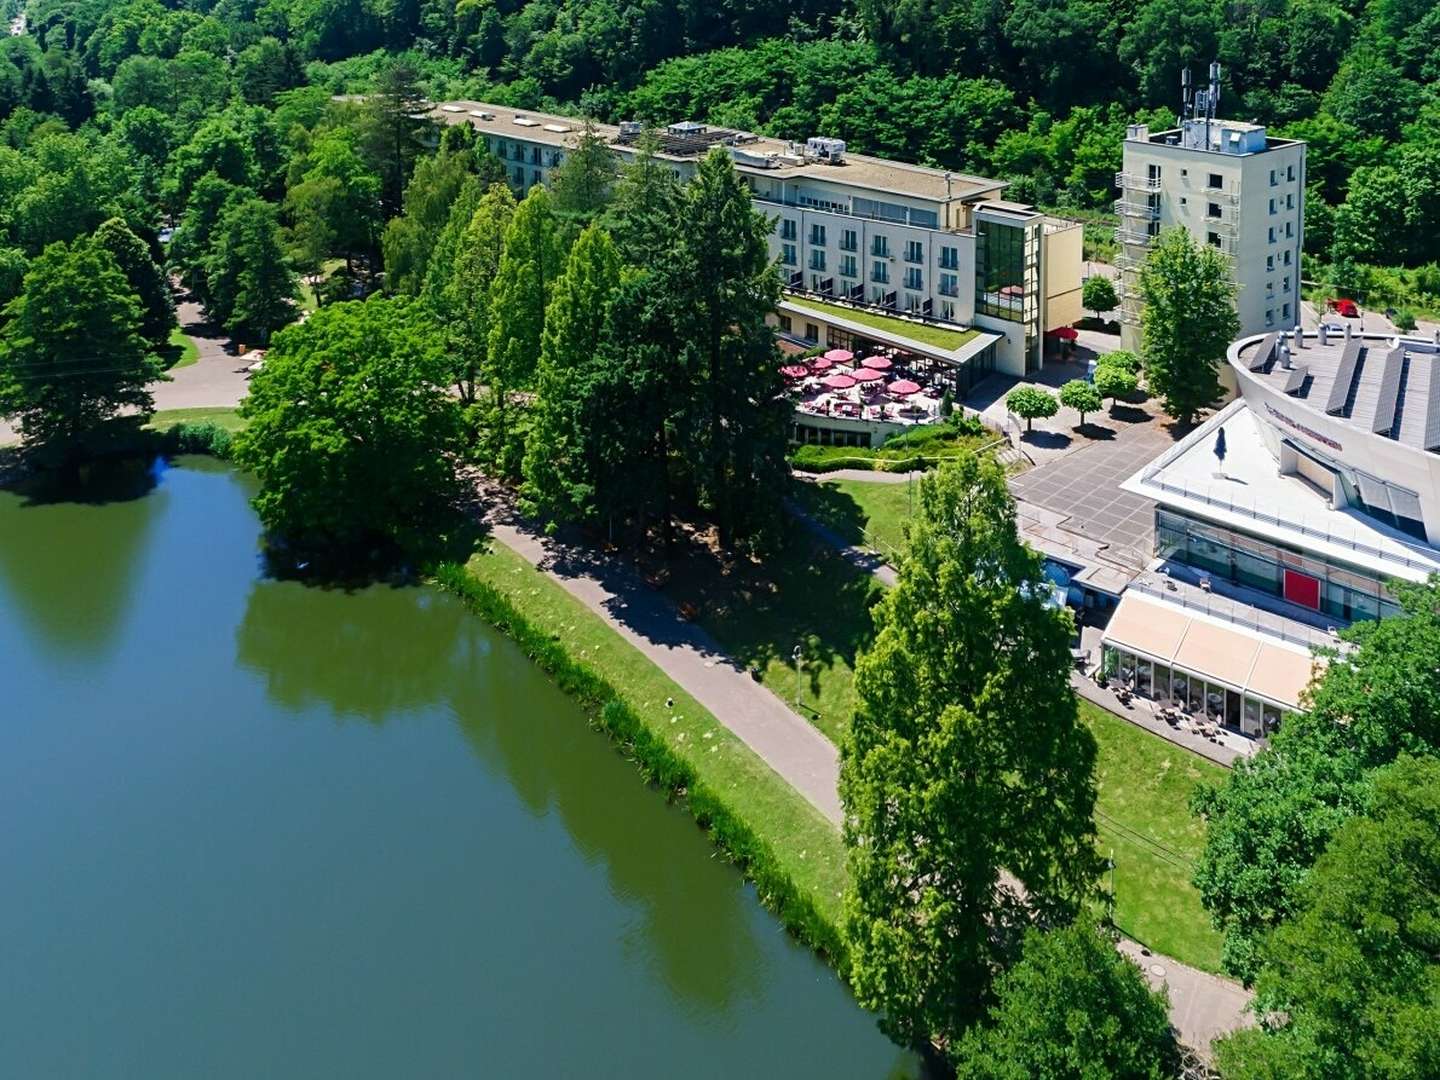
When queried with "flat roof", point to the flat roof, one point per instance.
{"points": [[1171, 136], [858, 170], [1254, 497], [1211, 648], [1386, 385]]}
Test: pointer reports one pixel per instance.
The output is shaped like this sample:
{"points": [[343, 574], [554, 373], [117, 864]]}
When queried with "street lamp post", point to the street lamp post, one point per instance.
{"points": [[797, 654]]}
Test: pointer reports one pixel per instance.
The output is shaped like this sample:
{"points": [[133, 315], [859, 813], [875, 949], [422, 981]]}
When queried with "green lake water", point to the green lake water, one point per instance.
{"points": [[254, 829]]}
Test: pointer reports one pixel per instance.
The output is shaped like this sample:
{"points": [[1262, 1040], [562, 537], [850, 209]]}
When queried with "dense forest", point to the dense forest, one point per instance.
{"points": [[1036, 91]]}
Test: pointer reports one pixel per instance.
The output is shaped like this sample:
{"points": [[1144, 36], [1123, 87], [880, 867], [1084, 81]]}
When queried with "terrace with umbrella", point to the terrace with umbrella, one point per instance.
{"points": [[887, 386]]}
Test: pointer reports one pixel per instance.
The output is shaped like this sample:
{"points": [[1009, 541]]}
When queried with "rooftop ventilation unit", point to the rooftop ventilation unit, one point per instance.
{"points": [[830, 151], [687, 127], [558, 129], [481, 114], [631, 129], [524, 121]]}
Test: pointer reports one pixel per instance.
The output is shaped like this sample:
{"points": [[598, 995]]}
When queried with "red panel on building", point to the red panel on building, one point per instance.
{"points": [[1302, 589]]}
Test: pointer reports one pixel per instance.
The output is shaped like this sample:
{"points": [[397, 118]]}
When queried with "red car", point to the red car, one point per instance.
{"points": [[1347, 308]]}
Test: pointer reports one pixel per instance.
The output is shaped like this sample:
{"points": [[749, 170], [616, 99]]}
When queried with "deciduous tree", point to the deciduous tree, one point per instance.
{"points": [[147, 281], [1098, 294], [352, 432], [1188, 322], [1073, 1008], [966, 778], [71, 352], [251, 287], [1030, 403], [1081, 396]]}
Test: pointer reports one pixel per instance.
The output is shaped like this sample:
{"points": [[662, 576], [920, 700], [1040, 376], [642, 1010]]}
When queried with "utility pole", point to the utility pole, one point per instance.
{"points": [[797, 654]]}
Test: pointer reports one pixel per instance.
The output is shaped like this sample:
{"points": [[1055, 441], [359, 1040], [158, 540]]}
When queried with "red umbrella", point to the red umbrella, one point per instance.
{"points": [[795, 371], [840, 356], [866, 374], [1064, 333], [838, 381], [819, 363], [878, 363], [903, 387]]}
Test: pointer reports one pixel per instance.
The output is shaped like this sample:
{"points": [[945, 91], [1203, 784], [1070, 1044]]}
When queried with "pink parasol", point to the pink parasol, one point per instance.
{"points": [[866, 374], [903, 387], [838, 381], [877, 363], [840, 356], [795, 371], [819, 363]]}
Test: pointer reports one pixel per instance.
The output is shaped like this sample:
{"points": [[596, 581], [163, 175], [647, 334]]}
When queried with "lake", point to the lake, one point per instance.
{"points": [[253, 828]]}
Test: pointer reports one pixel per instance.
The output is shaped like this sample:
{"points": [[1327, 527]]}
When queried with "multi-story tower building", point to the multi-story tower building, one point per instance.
{"points": [[858, 235], [1232, 187]]}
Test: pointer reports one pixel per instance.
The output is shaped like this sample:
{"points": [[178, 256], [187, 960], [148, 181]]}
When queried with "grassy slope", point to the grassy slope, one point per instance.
{"points": [[865, 514], [1144, 782], [915, 331], [805, 844], [181, 352], [226, 418], [1143, 814]]}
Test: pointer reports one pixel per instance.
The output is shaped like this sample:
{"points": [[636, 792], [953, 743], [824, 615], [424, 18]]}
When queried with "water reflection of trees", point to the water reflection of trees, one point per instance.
{"points": [[379, 651], [70, 551]]}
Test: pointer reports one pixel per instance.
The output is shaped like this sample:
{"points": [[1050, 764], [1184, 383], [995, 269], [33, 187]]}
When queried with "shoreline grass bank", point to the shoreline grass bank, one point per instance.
{"points": [[782, 844]]}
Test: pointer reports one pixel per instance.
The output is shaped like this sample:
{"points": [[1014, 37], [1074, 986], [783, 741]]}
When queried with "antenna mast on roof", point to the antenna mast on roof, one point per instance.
{"points": [[1184, 97]]}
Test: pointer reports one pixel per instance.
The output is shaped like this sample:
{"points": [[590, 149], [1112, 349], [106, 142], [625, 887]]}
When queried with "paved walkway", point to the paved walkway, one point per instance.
{"points": [[787, 742], [1202, 1005], [216, 380]]}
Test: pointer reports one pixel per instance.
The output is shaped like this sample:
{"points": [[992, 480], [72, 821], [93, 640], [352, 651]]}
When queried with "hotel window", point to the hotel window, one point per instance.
{"points": [[785, 323], [949, 258], [947, 310], [880, 247], [1290, 174], [534, 177], [817, 235], [847, 266], [1274, 177], [1287, 256], [519, 176], [1269, 263], [1272, 234], [1215, 182], [880, 273], [817, 260], [787, 254], [1285, 312], [847, 240], [1213, 210], [535, 155], [1289, 202], [949, 285], [914, 278], [1285, 284], [914, 251], [812, 332], [1272, 206], [787, 229], [1269, 316], [1290, 229], [1213, 239]]}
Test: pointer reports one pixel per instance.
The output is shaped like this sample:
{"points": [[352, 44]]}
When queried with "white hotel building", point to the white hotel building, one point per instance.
{"points": [[1328, 492], [856, 234]]}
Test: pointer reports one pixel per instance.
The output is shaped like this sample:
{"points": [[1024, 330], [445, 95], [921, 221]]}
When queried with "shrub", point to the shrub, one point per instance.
{"points": [[1121, 358], [1404, 320], [1113, 381], [201, 437]]}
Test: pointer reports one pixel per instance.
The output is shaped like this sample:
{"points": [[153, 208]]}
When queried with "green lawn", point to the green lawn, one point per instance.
{"points": [[803, 594], [866, 514], [807, 846], [226, 418], [914, 330], [1144, 782], [181, 352], [1143, 815]]}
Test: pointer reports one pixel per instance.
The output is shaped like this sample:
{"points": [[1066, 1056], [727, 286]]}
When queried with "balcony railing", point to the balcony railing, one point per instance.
{"points": [[1136, 237], [1133, 182], [1143, 211]]}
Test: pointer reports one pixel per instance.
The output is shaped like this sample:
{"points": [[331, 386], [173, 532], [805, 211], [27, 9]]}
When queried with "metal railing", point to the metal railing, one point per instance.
{"points": [[1232, 611], [1133, 182], [1143, 211], [1305, 530], [1137, 237]]}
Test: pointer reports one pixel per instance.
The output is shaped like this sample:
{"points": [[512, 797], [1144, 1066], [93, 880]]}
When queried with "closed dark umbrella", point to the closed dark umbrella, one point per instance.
{"points": [[1220, 445]]}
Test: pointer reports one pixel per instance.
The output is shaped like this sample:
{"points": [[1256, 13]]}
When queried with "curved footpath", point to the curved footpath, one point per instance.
{"points": [[1202, 1006], [216, 380]]}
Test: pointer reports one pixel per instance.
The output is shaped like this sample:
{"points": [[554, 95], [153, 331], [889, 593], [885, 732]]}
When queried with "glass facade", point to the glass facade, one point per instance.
{"points": [[1007, 277], [1344, 592], [1185, 690]]}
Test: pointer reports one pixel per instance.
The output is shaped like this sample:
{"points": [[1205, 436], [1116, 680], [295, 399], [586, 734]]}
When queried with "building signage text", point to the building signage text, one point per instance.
{"points": [[1295, 425]]}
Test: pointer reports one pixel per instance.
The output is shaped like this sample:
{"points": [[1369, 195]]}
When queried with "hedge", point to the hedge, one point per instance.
{"points": [[658, 763]]}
